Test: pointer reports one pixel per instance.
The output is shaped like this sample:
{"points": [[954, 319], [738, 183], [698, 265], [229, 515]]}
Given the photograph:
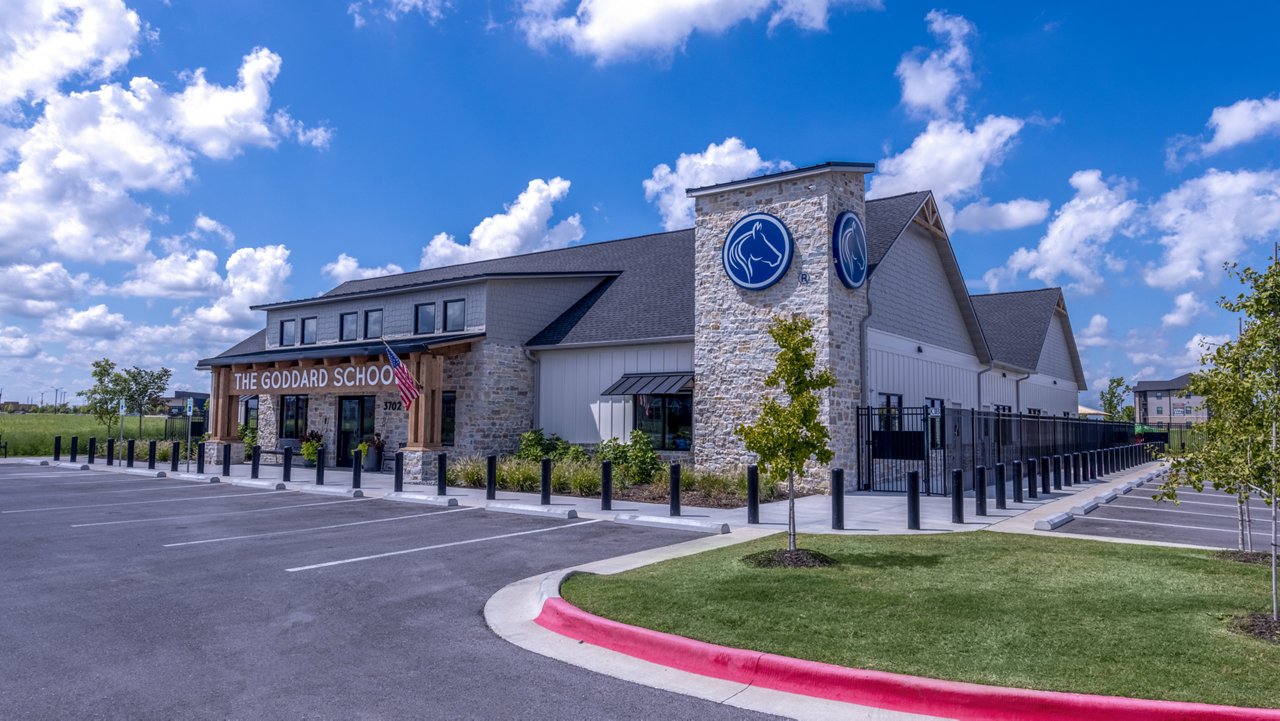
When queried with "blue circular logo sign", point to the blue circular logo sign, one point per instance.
{"points": [[849, 250], [757, 251]]}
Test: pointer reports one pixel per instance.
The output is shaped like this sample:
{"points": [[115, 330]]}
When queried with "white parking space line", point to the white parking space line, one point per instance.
{"points": [[1229, 504], [320, 528], [1169, 510], [43, 475], [1150, 523], [137, 503], [441, 545], [189, 516], [31, 483], [183, 487]]}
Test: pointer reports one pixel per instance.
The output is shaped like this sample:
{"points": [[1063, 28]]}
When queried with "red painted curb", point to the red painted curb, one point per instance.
{"points": [[878, 689]]}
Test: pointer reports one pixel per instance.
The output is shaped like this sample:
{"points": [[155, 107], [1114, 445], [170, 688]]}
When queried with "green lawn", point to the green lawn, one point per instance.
{"points": [[992, 608], [31, 434]]}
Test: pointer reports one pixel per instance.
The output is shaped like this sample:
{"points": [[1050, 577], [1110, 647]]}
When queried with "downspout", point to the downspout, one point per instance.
{"points": [[862, 347], [985, 371], [1017, 394], [532, 357]]}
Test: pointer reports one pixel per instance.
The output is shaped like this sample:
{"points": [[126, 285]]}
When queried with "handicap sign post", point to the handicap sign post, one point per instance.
{"points": [[187, 448]]}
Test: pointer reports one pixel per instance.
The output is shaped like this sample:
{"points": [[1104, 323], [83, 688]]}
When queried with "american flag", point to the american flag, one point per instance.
{"points": [[404, 379]]}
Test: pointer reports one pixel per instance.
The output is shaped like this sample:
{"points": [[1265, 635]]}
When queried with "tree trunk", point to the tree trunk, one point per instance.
{"points": [[139, 423], [791, 512], [1275, 590]]}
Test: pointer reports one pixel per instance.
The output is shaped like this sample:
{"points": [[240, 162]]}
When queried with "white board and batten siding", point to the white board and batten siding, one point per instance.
{"points": [[895, 366], [570, 381]]}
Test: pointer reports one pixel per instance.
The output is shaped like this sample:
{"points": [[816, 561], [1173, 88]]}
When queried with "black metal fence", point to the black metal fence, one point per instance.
{"points": [[894, 442]]}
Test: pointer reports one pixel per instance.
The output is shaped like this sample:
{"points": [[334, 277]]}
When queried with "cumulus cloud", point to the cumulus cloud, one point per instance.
{"points": [[347, 268], [38, 290], [1185, 308], [181, 274], [15, 343], [1207, 221], [729, 160], [43, 43], [205, 224], [525, 226], [432, 10], [254, 276], [1231, 125], [610, 30], [932, 80], [95, 322], [984, 215], [1076, 240], [1185, 360], [1094, 334]]}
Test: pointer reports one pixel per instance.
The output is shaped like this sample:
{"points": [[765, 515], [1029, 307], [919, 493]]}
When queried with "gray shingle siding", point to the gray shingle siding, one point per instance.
{"points": [[397, 313], [1055, 358], [1016, 324], [912, 297]]}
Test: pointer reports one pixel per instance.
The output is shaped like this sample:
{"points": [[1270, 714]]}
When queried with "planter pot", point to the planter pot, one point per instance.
{"points": [[308, 463], [373, 461]]}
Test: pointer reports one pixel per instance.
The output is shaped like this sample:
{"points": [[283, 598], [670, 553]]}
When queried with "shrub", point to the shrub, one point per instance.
{"points": [[520, 475], [535, 445], [584, 479], [560, 473], [468, 472], [532, 445], [716, 483]]}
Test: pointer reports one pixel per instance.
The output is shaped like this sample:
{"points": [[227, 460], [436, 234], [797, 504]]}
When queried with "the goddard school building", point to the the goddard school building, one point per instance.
{"points": [[664, 333]]}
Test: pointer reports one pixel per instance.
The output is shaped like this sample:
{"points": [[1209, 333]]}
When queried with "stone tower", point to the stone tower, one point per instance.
{"points": [[732, 350]]}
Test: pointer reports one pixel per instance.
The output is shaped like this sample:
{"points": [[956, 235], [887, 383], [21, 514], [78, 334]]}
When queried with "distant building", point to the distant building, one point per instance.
{"points": [[1156, 402], [177, 403]]}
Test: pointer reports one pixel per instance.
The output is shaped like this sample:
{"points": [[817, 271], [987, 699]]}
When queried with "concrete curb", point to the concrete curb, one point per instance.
{"points": [[422, 499], [1054, 521], [196, 478], [1085, 508], [324, 490], [898, 692], [73, 466], [257, 483], [141, 472], [676, 523], [528, 510]]}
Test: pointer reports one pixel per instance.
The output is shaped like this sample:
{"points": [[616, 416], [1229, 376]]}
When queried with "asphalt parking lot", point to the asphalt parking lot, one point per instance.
{"points": [[130, 597], [1207, 518]]}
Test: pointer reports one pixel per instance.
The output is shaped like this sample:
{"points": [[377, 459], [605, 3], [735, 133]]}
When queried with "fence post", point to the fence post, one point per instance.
{"points": [[151, 455], [1033, 488], [357, 467], [75, 448], [1002, 502], [200, 457], [320, 465], [957, 496], [287, 471], [1045, 482], [57, 448], [111, 451], [255, 461], [442, 474], [93, 448], [399, 479], [546, 482], [980, 490], [491, 478], [606, 485], [753, 494], [675, 489], [1017, 481], [1057, 473], [913, 500], [128, 452], [174, 452], [837, 499]]}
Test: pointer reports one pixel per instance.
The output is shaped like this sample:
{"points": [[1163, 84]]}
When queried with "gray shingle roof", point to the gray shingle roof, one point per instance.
{"points": [[1173, 384], [1016, 324], [886, 219]]}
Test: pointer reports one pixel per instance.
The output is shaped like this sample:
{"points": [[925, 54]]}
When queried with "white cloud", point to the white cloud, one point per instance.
{"points": [[932, 81], [609, 30], [1185, 308], [1173, 363], [393, 10], [205, 224], [95, 322], [730, 160], [524, 227], [38, 290], [181, 274], [254, 276], [44, 42], [1075, 242], [347, 268], [1208, 220], [984, 215], [1241, 122], [1094, 335], [15, 343]]}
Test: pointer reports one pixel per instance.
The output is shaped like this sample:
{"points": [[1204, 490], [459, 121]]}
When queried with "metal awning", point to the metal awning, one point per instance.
{"points": [[649, 384]]}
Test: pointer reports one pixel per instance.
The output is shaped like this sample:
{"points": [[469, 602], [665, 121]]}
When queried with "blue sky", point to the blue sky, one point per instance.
{"points": [[163, 166]]}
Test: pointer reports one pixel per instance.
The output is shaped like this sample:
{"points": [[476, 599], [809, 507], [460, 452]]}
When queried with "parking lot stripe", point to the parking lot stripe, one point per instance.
{"points": [[149, 488], [1178, 511], [217, 513], [1148, 523], [136, 503], [440, 545], [43, 475], [320, 528]]}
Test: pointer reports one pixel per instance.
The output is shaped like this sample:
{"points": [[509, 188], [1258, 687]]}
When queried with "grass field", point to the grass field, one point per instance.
{"points": [[991, 608], [31, 434]]}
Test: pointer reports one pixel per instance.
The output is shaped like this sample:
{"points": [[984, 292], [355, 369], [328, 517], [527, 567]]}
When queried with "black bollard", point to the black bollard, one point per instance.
{"points": [[1046, 482], [491, 478], [980, 490], [399, 480], [75, 448], [320, 466], [1092, 466], [128, 453], [1032, 486], [606, 485], [111, 451], [442, 474], [356, 467], [1001, 500], [837, 499], [255, 460], [1067, 470], [1057, 473], [753, 494], [226, 460], [1077, 473], [546, 482], [913, 500], [57, 448], [151, 455], [93, 449], [200, 457], [286, 473], [1017, 481], [675, 489], [174, 452], [957, 496]]}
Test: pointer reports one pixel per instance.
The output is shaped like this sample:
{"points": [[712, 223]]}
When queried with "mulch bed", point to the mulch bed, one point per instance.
{"points": [[799, 558], [1259, 625], [1260, 558]]}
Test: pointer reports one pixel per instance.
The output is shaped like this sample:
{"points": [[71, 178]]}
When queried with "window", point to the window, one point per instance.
{"points": [[373, 323], [288, 332], [1159, 410], [293, 416], [1159, 395], [251, 413], [308, 331], [455, 316], [424, 318], [935, 406], [448, 416], [1004, 409], [348, 326], [1034, 412], [890, 411], [667, 420]]}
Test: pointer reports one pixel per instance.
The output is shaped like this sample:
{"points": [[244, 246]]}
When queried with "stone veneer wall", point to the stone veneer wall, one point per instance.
{"points": [[495, 387], [732, 350], [322, 416]]}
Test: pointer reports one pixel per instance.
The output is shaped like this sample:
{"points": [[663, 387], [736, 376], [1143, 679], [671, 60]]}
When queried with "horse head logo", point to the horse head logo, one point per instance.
{"points": [[757, 252], [850, 250]]}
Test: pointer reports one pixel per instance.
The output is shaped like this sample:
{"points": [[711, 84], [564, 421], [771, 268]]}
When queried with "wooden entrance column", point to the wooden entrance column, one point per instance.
{"points": [[224, 427], [424, 414]]}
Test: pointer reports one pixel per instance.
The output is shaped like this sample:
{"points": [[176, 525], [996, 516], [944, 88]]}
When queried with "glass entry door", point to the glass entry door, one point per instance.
{"points": [[355, 424]]}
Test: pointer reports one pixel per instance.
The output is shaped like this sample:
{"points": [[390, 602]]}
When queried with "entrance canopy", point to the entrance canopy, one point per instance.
{"points": [[650, 384], [402, 348]]}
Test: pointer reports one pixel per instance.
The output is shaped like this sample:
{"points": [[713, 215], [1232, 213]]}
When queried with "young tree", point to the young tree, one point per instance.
{"points": [[1114, 396], [1127, 414], [141, 389], [102, 400], [785, 437]]}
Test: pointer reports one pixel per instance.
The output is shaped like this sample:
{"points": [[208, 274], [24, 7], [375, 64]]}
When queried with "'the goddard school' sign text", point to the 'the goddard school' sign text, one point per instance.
{"points": [[317, 379]]}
